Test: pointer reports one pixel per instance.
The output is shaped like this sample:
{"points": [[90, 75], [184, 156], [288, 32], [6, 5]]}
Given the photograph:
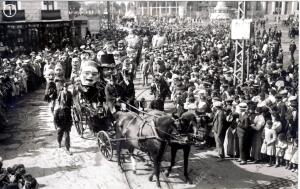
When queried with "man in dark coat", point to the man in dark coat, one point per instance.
{"points": [[127, 91], [242, 131], [219, 129], [111, 94], [292, 49], [161, 90], [63, 117], [292, 117]]}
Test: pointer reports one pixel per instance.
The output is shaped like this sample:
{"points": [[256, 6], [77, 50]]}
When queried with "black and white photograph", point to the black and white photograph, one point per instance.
{"points": [[149, 94]]}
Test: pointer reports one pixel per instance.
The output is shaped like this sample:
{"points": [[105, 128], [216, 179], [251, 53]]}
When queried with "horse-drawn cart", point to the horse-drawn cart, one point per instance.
{"points": [[106, 143]]}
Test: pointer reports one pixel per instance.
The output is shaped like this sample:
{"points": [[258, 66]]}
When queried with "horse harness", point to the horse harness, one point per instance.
{"points": [[141, 126]]}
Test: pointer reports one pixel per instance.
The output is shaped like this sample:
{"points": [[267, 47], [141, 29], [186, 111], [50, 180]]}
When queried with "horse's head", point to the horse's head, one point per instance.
{"points": [[165, 127], [185, 124]]}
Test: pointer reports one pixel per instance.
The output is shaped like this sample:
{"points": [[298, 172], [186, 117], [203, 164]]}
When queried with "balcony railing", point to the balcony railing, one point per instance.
{"points": [[8, 16], [51, 14]]}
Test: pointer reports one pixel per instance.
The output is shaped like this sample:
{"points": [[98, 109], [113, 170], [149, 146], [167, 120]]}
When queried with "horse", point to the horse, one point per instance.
{"points": [[153, 133], [186, 127]]}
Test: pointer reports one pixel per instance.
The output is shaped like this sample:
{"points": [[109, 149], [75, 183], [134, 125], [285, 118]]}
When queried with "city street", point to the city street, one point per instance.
{"points": [[191, 49], [31, 140]]}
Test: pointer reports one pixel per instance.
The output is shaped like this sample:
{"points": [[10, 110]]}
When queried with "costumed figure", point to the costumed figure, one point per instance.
{"points": [[59, 76], [51, 90], [89, 96], [134, 46], [75, 68]]}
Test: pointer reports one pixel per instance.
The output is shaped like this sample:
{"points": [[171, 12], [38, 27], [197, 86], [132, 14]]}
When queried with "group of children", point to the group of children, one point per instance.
{"points": [[283, 147]]}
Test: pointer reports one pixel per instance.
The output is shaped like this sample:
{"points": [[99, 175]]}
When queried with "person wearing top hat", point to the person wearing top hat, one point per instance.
{"points": [[218, 128]]}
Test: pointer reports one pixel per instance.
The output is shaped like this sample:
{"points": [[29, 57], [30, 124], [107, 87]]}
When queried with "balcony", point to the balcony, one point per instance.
{"points": [[20, 15], [51, 14]]}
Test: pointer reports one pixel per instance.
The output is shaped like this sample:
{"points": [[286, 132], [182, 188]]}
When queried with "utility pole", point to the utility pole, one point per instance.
{"points": [[239, 62]]}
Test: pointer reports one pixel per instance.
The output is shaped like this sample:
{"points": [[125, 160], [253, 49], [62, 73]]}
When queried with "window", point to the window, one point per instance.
{"points": [[248, 6], [12, 3], [48, 5], [258, 6]]}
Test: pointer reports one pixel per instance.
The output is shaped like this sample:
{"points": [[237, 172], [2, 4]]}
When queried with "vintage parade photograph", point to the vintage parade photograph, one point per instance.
{"points": [[149, 94]]}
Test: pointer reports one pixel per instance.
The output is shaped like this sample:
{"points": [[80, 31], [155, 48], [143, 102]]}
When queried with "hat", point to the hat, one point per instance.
{"points": [[243, 105], [107, 60], [229, 99], [278, 96], [175, 76], [283, 92], [292, 98], [38, 58], [19, 61], [217, 104]]}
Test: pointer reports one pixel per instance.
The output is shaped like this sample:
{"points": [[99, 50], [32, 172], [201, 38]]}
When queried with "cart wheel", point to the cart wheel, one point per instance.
{"points": [[104, 145], [77, 122]]}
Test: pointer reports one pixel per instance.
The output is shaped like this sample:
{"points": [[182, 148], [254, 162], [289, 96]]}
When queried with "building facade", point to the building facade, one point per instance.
{"points": [[32, 25], [204, 8], [269, 9]]}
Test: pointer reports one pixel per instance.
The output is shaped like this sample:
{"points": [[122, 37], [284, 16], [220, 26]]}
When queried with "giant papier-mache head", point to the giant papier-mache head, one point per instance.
{"points": [[49, 75], [89, 73]]}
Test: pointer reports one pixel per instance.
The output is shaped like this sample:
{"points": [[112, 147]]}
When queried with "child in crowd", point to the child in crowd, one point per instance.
{"points": [[294, 160], [281, 145], [288, 152], [268, 146]]}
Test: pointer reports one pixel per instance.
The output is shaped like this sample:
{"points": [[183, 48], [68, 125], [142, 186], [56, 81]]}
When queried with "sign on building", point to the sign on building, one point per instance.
{"points": [[242, 29]]}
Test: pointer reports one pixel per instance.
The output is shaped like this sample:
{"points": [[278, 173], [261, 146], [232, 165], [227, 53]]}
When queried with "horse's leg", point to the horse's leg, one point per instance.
{"points": [[186, 153], [133, 163], [173, 156], [158, 161], [119, 147]]}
